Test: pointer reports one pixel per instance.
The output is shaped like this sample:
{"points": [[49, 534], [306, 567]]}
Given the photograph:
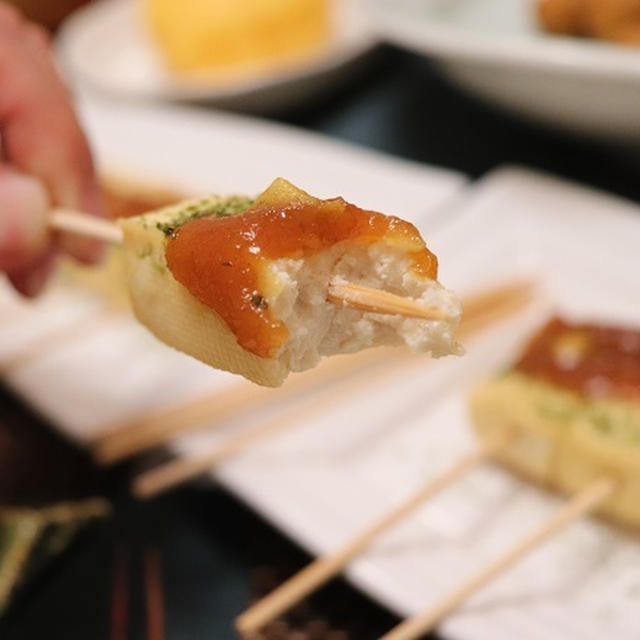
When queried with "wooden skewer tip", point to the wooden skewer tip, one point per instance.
{"points": [[378, 301]]}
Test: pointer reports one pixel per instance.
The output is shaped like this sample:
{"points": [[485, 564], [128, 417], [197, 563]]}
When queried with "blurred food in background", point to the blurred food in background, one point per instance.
{"points": [[614, 20], [197, 36]]}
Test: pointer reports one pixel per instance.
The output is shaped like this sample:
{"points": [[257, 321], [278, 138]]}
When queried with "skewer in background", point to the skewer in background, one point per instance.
{"points": [[174, 472], [162, 425], [329, 566], [580, 505]]}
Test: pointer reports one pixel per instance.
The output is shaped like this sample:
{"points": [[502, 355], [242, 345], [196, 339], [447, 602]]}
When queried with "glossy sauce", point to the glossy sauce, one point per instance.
{"points": [[595, 361], [221, 260]]}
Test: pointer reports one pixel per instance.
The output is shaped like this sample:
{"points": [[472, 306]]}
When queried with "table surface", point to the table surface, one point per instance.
{"points": [[216, 554]]}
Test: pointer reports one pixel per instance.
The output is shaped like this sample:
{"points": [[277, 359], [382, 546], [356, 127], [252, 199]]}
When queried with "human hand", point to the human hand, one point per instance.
{"points": [[45, 158]]}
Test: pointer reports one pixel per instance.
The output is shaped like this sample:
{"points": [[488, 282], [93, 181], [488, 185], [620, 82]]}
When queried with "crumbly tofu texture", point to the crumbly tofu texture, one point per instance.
{"points": [[296, 294], [559, 439], [320, 328]]}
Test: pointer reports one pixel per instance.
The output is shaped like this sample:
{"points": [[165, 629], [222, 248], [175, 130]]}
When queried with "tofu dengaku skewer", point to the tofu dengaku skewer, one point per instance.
{"points": [[264, 287], [570, 412]]}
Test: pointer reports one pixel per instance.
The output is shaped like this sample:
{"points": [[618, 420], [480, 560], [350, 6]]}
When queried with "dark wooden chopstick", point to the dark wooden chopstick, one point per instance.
{"points": [[153, 592], [120, 595]]}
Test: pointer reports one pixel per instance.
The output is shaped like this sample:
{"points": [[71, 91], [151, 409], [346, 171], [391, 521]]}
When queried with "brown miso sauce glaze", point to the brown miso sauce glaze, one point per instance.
{"points": [[221, 260], [595, 361]]}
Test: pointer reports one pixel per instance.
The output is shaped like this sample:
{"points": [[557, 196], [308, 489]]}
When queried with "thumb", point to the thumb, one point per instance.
{"points": [[24, 207]]}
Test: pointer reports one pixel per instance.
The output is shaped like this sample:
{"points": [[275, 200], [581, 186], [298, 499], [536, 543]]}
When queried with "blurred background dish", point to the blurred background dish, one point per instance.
{"points": [[614, 20], [138, 49], [498, 50]]}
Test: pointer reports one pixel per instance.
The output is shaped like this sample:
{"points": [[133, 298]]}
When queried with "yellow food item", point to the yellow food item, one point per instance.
{"points": [[210, 35]]}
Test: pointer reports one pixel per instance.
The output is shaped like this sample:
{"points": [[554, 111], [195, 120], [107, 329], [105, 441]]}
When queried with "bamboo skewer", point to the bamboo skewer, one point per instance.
{"points": [[329, 566], [378, 301], [180, 470], [83, 224], [158, 427], [581, 504]]}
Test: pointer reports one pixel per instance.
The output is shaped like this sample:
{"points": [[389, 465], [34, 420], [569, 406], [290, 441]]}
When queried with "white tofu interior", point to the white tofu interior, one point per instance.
{"points": [[320, 328]]}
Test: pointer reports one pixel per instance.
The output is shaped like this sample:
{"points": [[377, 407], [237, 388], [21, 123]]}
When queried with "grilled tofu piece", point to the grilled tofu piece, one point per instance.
{"points": [[241, 284]]}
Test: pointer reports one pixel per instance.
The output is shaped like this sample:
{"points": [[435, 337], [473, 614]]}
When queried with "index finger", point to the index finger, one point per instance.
{"points": [[41, 135]]}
